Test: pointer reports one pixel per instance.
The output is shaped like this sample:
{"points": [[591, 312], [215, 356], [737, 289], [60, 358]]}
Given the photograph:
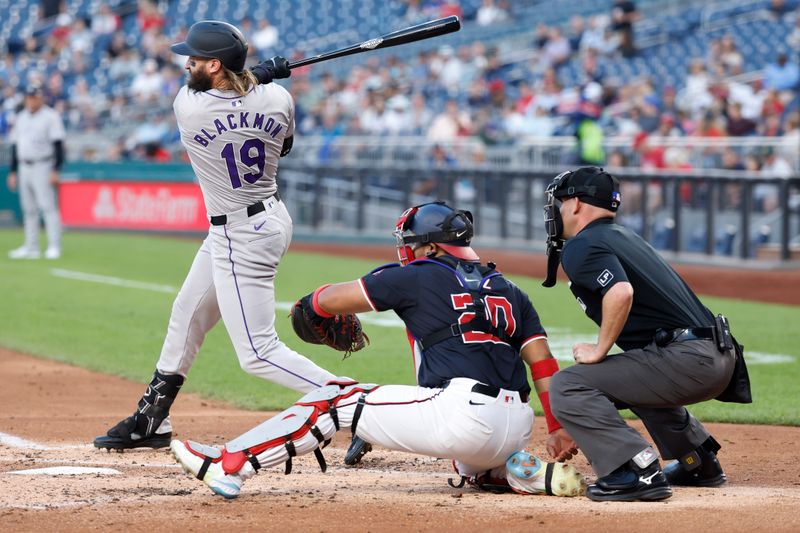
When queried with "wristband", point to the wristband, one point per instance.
{"points": [[315, 303], [544, 368], [552, 423]]}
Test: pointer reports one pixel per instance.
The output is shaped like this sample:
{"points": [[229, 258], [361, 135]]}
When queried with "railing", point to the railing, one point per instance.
{"points": [[737, 215]]}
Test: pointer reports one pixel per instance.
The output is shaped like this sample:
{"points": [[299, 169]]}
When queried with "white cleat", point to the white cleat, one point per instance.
{"points": [[24, 253], [52, 253], [527, 474], [192, 456]]}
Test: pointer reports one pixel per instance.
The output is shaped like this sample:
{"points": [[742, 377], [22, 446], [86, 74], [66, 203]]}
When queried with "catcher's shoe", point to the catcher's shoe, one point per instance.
{"points": [[700, 468], [357, 450], [205, 463], [527, 474], [630, 483], [123, 436]]}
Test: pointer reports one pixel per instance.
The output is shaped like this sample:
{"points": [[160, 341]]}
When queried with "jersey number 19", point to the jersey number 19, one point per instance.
{"points": [[246, 157]]}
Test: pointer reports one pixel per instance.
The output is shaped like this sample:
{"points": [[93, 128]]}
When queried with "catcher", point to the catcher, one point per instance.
{"points": [[470, 331]]}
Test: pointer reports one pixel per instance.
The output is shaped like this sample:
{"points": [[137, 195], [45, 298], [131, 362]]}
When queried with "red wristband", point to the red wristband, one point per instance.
{"points": [[552, 423], [315, 303], [544, 368]]}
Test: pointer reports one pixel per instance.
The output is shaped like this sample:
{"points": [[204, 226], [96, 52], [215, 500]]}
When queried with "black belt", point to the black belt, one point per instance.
{"points": [[487, 390], [664, 337], [34, 161], [256, 208]]}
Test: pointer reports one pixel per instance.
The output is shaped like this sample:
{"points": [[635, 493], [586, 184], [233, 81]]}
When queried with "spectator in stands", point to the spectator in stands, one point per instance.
{"points": [[396, 119], [774, 166], [105, 21], [593, 37], [450, 123], [730, 55], [623, 15], [451, 8], [146, 86], [696, 96], [490, 13], [782, 75], [731, 196], [667, 126], [265, 38], [738, 126], [149, 17], [577, 25], [419, 116], [557, 50], [80, 37], [793, 40]]}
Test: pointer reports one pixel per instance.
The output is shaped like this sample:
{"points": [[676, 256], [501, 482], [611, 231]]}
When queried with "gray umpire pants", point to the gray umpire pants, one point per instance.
{"points": [[37, 195], [655, 383]]}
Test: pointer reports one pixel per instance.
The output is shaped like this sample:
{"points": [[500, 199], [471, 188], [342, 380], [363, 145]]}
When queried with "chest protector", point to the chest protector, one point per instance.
{"points": [[474, 278]]}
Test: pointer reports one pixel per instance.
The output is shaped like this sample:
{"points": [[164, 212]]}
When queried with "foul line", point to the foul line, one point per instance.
{"points": [[110, 280]]}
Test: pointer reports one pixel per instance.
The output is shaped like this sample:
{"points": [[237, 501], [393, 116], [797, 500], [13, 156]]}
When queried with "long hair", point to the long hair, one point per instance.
{"points": [[240, 82]]}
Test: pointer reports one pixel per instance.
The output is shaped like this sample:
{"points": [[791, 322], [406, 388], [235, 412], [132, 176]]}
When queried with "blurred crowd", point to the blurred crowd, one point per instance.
{"points": [[101, 79]]}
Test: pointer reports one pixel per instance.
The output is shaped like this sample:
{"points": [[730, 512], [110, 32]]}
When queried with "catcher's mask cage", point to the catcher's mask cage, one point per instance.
{"points": [[438, 223], [215, 39], [569, 184]]}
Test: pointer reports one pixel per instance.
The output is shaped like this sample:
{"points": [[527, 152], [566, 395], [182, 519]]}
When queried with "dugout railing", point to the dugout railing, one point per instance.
{"points": [[733, 215]]}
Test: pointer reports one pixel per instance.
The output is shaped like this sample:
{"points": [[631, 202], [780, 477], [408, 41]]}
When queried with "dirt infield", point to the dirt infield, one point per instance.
{"points": [[774, 286], [52, 411]]}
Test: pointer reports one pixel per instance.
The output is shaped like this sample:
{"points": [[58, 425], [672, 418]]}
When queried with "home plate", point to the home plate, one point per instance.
{"points": [[67, 471]]}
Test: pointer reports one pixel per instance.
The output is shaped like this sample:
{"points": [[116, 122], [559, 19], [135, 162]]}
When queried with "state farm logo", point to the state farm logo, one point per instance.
{"points": [[144, 206]]}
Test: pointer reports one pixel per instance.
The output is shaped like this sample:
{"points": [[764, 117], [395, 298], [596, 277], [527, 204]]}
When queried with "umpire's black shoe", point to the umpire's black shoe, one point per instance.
{"points": [[123, 437], [700, 468], [357, 450], [630, 483]]}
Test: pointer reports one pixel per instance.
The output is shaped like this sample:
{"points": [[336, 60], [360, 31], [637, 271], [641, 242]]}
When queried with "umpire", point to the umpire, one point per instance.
{"points": [[675, 351]]}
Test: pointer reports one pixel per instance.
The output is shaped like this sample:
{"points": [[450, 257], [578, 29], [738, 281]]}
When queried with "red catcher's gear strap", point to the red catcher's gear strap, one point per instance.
{"points": [[315, 303], [540, 370]]}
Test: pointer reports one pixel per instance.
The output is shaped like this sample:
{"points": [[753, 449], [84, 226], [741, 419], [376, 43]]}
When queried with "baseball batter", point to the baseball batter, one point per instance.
{"points": [[37, 153], [471, 330], [234, 130]]}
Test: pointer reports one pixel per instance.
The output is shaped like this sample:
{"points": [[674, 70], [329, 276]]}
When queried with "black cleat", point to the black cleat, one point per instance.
{"points": [[630, 483], [700, 468], [357, 450], [121, 437]]}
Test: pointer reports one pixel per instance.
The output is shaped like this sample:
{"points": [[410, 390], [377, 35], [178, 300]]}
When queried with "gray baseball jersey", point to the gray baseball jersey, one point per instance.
{"points": [[234, 142], [35, 133]]}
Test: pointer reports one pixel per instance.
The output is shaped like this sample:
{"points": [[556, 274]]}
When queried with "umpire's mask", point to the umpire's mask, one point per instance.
{"points": [[592, 185]]}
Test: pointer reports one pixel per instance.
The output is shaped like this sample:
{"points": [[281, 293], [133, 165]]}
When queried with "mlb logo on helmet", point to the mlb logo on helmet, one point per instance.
{"points": [[616, 199]]}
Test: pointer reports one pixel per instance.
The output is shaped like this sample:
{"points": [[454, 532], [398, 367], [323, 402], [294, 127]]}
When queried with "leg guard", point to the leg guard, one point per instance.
{"points": [[142, 428], [305, 427], [527, 474]]}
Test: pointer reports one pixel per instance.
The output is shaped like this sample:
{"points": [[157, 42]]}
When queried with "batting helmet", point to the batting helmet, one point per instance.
{"points": [[437, 223], [216, 39]]}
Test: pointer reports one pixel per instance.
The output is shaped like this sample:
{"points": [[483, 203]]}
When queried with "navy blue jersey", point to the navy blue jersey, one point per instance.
{"points": [[428, 297], [604, 254]]}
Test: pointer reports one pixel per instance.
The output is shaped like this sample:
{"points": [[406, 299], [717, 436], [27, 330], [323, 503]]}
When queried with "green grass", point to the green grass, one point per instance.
{"points": [[119, 330]]}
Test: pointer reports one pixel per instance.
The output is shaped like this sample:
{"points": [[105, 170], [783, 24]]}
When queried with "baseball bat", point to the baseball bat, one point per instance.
{"points": [[412, 34]]}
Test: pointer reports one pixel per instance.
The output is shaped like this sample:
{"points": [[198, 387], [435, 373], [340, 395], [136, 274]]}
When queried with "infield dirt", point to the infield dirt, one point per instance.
{"points": [[61, 408]]}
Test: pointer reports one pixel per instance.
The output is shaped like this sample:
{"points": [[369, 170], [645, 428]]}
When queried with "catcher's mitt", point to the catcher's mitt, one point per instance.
{"points": [[340, 332]]}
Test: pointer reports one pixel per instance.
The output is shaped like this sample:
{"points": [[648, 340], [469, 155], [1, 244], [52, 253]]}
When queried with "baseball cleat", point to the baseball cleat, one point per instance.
{"points": [[24, 253], [527, 474], [205, 463], [357, 450], [627, 484], [123, 437]]}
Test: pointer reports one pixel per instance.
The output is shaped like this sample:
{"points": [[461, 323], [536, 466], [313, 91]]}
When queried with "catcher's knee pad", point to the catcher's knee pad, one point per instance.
{"points": [[306, 426], [527, 474]]}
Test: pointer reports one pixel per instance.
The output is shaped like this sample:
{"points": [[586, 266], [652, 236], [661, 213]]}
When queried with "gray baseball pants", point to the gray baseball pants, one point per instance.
{"points": [[655, 383], [37, 195]]}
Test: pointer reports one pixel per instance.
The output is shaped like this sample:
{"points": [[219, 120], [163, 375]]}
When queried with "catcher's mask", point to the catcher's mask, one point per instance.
{"points": [[592, 185], [437, 223]]}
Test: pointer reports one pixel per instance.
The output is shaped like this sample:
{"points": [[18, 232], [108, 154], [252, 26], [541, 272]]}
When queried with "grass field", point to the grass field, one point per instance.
{"points": [[106, 303]]}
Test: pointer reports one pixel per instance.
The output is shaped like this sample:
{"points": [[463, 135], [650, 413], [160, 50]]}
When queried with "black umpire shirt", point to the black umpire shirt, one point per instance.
{"points": [[605, 253]]}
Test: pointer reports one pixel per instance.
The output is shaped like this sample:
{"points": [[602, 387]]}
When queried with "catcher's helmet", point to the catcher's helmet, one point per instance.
{"points": [[436, 223], [217, 39]]}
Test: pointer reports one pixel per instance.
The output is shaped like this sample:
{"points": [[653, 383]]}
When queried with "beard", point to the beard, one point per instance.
{"points": [[199, 81]]}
